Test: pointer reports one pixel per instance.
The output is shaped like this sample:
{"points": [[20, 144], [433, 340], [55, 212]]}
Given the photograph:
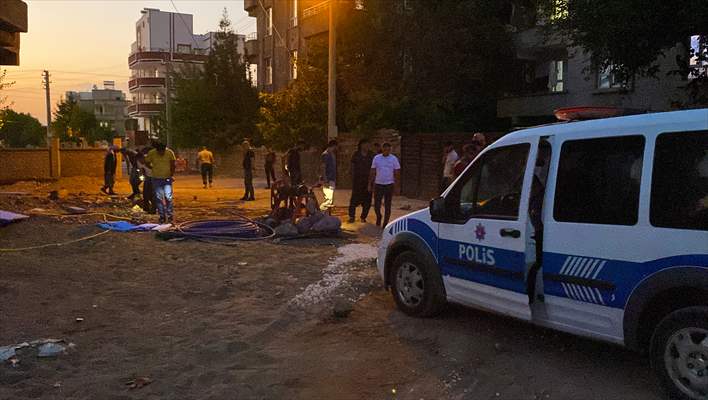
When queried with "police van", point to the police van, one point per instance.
{"points": [[597, 228]]}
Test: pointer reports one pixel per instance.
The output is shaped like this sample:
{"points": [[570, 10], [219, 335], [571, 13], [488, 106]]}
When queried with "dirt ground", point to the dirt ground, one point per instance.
{"points": [[256, 320]]}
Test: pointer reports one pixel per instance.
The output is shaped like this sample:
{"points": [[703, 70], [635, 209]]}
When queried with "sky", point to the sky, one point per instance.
{"points": [[84, 42]]}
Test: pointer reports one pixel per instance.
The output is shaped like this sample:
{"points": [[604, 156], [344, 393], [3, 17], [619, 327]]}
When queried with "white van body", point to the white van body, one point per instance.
{"points": [[594, 279]]}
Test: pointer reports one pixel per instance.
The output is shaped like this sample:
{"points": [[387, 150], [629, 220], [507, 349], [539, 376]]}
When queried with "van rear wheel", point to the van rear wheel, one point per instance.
{"points": [[679, 353], [417, 286]]}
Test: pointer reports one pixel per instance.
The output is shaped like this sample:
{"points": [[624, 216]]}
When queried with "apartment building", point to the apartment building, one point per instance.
{"points": [[164, 43], [108, 104], [553, 75], [283, 30], [13, 20]]}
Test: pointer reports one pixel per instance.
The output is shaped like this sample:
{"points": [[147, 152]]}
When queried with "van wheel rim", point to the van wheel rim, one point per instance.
{"points": [[686, 360], [410, 285]]}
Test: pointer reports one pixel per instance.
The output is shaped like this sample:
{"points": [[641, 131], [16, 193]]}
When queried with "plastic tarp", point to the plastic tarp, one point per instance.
{"points": [[7, 217], [125, 226]]}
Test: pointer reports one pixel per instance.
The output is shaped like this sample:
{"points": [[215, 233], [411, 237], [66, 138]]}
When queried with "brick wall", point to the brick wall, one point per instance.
{"points": [[82, 162], [24, 164]]}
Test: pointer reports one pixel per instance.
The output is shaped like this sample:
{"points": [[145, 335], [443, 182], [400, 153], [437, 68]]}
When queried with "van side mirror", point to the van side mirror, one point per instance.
{"points": [[437, 209]]}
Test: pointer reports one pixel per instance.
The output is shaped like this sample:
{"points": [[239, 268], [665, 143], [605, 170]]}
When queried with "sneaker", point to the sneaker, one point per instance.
{"points": [[103, 190], [352, 220], [204, 186], [162, 220], [244, 198], [251, 199], [363, 220], [170, 220]]}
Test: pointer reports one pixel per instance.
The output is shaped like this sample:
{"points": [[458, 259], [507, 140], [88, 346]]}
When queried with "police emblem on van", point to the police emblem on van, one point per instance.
{"points": [[480, 232]]}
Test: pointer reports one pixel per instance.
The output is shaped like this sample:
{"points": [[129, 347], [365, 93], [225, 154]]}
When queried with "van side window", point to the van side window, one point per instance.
{"points": [[679, 186], [491, 187], [598, 181]]}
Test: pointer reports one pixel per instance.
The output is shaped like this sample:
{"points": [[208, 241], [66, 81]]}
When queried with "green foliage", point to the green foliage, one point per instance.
{"points": [[4, 85], [630, 35], [433, 66], [296, 113], [21, 130], [71, 123], [216, 106]]}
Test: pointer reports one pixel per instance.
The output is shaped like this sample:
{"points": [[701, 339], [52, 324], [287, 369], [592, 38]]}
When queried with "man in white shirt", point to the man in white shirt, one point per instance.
{"points": [[449, 159], [384, 182]]}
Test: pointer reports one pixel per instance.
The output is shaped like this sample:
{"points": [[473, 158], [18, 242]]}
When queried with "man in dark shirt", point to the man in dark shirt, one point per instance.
{"points": [[248, 156], [329, 176], [110, 162], [270, 166], [292, 164], [361, 167]]}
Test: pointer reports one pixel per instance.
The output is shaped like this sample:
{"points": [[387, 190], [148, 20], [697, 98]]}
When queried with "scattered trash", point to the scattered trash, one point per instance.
{"points": [[6, 353], [139, 382], [137, 209], [56, 385], [60, 194], [50, 349], [75, 210], [242, 263], [79, 319], [125, 226], [37, 211], [7, 217]]}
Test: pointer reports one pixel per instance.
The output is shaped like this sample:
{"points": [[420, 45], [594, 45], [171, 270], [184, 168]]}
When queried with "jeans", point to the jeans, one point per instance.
{"points": [[360, 197], [109, 180], [328, 192], [270, 173], [163, 194], [207, 173], [248, 184], [384, 192]]}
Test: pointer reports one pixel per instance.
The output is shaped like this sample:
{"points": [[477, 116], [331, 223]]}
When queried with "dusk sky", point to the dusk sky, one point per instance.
{"points": [[84, 42]]}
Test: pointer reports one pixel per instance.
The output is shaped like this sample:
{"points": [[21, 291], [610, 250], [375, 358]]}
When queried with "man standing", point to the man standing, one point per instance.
{"points": [[329, 166], [110, 162], [248, 156], [449, 159], [270, 166], [470, 152], [292, 164], [206, 165], [161, 161], [384, 181], [148, 191], [131, 162], [361, 167]]}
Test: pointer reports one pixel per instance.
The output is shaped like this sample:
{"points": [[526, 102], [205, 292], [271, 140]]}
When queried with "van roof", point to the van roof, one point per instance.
{"points": [[672, 121]]}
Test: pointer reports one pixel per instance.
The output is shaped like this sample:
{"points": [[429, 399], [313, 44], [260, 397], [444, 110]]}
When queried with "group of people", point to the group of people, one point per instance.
{"points": [[154, 167], [454, 165]]}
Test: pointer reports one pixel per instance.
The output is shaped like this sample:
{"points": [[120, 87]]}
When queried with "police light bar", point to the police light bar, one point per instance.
{"points": [[585, 113]]}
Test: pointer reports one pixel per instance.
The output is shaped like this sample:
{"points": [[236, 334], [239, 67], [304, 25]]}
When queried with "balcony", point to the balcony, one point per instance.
{"points": [[252, 44], [251, 6], [137, 83], [164, 56], [146, 109]]}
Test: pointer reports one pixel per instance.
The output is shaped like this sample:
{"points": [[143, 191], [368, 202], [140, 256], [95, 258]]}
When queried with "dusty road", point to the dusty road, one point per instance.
{"points": [[255, 321]]}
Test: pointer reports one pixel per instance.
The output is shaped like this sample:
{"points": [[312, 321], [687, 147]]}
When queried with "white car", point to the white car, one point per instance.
{"points": [[598, 228]]}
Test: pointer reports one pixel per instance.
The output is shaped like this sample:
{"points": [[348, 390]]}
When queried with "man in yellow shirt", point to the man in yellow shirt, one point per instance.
{"points": [[206, 165], [162, 162]]}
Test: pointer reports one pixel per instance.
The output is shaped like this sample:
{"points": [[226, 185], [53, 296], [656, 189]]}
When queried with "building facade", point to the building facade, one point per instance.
{"points": [[284, 28], [553, 75], [13, 20], [165, 43], [108, 105]]}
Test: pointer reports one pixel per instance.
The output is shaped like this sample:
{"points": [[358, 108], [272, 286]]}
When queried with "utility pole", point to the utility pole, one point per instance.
{"points": [[45, 81], [168, 94], [332, 74]]}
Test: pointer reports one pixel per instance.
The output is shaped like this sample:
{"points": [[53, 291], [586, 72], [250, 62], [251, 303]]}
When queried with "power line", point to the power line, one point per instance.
{"points": [[196, 45]]}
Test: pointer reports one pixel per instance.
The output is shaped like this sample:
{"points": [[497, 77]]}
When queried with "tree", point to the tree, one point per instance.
{"points": [[71, 123], [629, 36], [422, 65], [217, 106], [20, 129], [4, 85]]}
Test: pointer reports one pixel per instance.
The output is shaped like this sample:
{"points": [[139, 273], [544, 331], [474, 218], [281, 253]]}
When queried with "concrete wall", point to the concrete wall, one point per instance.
{"points": [[24, 164], [82, 162]]}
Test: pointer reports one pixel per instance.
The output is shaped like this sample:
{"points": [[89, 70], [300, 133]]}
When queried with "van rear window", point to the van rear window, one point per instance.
{"points": [[598, 181], [679, 186]]}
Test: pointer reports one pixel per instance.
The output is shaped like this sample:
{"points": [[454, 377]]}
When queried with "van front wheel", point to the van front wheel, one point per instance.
{"points": [[417, 286], [679, 353]]}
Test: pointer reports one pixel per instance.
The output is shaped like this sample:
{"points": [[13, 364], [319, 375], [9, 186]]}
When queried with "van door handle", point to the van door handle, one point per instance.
{"points": [[507, 232]]}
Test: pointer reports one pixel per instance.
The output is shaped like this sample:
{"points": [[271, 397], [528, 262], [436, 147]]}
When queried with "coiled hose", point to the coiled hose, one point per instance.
{"points": [[238, 229]]}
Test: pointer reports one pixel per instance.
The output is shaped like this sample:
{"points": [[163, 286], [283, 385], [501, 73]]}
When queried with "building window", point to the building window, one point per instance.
{"points": [[679, 185], [598, 181], [293, 13], [253, 74], [606, 79], [293, 64], [556, 76], [268, 71], [698, 63], [269, 21], [184, 48]]}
